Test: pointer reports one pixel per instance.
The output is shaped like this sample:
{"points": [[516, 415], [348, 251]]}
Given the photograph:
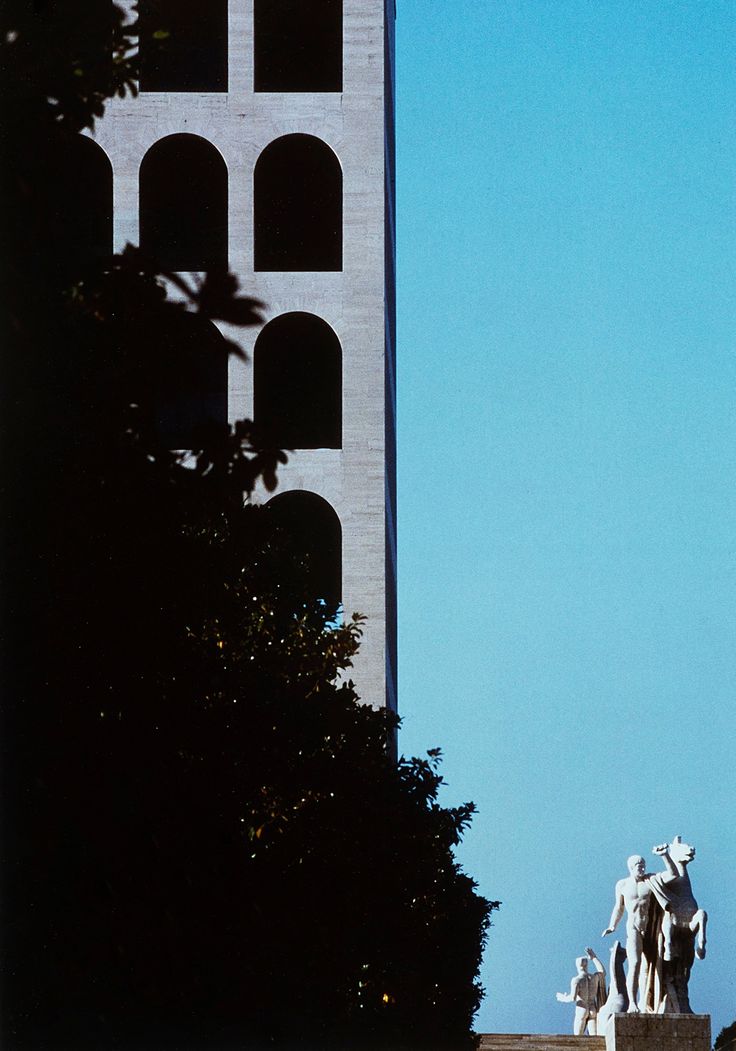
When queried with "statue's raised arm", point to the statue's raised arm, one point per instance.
{"points": [[663, 851], [587, 992]]}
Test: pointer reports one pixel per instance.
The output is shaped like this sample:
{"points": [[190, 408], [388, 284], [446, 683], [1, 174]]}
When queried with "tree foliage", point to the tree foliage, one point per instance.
{"points": [[206, 842], [726, 1038]]}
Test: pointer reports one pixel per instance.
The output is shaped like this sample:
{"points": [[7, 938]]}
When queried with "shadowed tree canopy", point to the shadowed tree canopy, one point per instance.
{"points": [[726, 1039], [206, 842]]}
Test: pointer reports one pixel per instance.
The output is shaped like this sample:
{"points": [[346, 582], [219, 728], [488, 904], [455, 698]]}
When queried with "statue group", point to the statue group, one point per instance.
{"points": [[665, 931]]}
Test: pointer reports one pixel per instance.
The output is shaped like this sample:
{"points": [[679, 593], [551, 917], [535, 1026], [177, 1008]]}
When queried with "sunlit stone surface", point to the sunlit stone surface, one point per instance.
{"points": [[641, 1032]]}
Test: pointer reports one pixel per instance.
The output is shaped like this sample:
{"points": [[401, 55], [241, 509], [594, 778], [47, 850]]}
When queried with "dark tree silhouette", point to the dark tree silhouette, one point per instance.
{"points": [[726, 1039], [205, 841]]}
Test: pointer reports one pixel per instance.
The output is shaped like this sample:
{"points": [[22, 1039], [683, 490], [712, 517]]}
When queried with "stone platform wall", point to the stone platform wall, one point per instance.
{"points": [[658, 1033], [624, 1032], [538, 1042]]}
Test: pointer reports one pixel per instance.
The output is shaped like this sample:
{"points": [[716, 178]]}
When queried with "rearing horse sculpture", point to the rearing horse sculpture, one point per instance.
{"points": [[682, 934]]}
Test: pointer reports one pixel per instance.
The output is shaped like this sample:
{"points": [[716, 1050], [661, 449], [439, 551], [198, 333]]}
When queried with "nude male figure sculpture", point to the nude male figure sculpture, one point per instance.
{"points": [[634, 896], [588, 993], [665, 929]]}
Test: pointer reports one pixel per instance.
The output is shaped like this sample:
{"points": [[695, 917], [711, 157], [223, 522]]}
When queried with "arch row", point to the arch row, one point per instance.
{"points": [[297, 204], [297, 45], [297, 361], [297, 382], [183, 203]]}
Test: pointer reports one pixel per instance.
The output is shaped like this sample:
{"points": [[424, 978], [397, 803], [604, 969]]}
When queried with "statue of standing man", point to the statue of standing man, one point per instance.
{"points": [[633, 896], [665, 929], [588, 993]]}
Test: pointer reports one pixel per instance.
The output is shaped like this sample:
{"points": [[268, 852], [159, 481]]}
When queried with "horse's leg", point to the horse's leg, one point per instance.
{"points": [[667, 925], [698, 924]]}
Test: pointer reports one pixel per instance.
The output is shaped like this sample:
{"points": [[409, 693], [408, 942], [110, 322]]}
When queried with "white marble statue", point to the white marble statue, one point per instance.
{"points": [[683, 924], [587, 992], [665, 930], [618, 1000], [633, 896], [674, 892]]}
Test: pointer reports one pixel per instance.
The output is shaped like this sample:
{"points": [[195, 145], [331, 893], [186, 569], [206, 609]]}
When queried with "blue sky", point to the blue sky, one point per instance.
{"points": [[567, 445]]}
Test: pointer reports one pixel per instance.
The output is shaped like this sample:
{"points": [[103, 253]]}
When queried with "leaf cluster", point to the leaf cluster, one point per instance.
{"points": [[62, 60]]}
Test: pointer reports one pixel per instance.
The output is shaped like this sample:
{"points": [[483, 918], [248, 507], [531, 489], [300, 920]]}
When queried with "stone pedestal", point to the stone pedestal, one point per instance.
{"points": [[642, 1032], [538, 1042]]}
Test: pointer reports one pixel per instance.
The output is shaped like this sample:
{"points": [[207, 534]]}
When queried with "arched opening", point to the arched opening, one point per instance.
{"points": [[183, 204], [311, 523], [76, 190], [183, 45], [298, 206], [298, 45], [189, 380], [297, 368]]}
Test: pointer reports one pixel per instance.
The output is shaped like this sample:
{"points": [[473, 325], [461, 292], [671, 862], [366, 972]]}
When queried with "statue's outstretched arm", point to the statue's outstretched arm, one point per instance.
{"points": [[663, 851], [571, 997], [618, 910]]}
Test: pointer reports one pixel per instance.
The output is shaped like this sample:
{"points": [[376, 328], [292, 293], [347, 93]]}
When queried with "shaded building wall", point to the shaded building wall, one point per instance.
{"points": [[352, 291]]}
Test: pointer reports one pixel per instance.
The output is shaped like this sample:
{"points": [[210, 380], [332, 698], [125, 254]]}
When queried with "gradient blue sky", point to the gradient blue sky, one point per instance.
{"points": [[567, 445]]}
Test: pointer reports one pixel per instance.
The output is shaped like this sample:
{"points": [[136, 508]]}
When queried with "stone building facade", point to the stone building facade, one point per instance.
{"points": [[269, 124]]}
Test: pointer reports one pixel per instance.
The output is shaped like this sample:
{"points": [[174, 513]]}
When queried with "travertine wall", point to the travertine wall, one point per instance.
{"points": [[624, 1032], [241, 123], [539, 1042], [667, 1032]]}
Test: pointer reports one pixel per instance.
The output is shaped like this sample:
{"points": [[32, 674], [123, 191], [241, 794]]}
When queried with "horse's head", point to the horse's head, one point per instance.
{"points": [[681, 852]]}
